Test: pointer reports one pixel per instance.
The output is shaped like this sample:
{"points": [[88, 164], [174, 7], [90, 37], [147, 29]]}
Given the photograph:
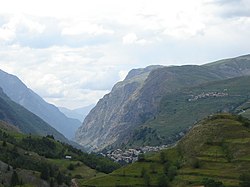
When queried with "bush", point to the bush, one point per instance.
{"points": [[211, 183], [162, 181], [245, 122], [14, 179], [146, 179], [4, 143], [71, 167], [59, 178], [195, 163], [172, 172], [245, 180], [163, 157], [45, 173], [78, 177], [141, 157]]}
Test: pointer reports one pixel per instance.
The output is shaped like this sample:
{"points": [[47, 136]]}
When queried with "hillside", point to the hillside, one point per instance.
{"points": [[17, 91], [41, 161], [193, 104], [121, 115], [24, 120], [79, 113], [214, 153], [99, 128]]}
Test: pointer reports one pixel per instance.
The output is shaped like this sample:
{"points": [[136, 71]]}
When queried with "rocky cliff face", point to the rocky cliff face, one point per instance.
{"points": [[105, 122], [136, 100]]}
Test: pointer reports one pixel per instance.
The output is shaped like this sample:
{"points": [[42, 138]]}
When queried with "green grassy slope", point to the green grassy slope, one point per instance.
{"points": [[32, 155], [177, 113], [241, 62], [214, 151]]}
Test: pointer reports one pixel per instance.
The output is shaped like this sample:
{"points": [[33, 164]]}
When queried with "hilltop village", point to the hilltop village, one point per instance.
{"points": [[207, 95]]}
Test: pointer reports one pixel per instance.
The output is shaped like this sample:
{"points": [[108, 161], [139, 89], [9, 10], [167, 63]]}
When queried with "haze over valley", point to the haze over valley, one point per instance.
{"points": [[125, 93]]}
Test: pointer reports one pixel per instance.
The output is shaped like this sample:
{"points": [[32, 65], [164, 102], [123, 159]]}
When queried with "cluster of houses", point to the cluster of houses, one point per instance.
{"points": [[209, 94], [131, 155]]}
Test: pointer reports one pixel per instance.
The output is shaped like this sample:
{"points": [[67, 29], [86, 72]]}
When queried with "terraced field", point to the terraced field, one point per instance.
{"points": [[218, 148]]}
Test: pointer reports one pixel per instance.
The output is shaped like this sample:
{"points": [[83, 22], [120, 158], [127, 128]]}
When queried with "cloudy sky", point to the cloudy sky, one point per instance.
{"points": [[71, 52]]}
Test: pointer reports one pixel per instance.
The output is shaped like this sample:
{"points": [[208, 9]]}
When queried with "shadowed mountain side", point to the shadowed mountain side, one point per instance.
{"points": [[24, 120], [18, 92]]}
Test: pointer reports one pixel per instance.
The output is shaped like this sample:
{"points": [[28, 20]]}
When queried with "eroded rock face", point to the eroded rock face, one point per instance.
{"points": [[136, 99], [108, 119]]}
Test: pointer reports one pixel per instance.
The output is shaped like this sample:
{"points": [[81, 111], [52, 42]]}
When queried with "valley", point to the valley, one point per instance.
{"points": [[156, 105], [43, 161], [177, 126], [215, 152]]}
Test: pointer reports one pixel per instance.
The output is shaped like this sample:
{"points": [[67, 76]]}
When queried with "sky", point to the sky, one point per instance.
{"points": [[71, 52]]}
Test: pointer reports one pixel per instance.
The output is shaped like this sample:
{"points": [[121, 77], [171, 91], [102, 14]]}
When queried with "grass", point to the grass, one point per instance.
{"points": [[219, 144], [80, 169], [177, 114], [31, 154]]}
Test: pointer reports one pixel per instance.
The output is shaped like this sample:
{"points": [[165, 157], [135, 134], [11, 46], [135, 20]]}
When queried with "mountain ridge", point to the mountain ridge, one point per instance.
{"points": [[21, 94], [134, 101], [78, 113], [24, 120]]}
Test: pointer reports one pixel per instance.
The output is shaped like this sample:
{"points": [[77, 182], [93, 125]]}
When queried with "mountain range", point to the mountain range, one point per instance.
{"points": [[25, 121], [154, 105], [78, 113], [17, 91]]}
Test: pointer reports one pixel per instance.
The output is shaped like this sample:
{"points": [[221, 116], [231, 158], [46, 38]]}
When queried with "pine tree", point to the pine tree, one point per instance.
{"points": [[52, 183], [14, 179], [163, 181], [4, 143], [45, 173], [59, 178]]}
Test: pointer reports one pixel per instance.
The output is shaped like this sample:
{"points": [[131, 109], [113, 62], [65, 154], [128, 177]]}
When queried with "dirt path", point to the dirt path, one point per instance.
{"points": [[74, 183]]}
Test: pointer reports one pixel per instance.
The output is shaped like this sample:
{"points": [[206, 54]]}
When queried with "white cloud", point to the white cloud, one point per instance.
{"points": [[123, 74], [129, 38], [76, 50], [132, 38], [19, 24], [82, 27], [6, 34], [62, 75]]}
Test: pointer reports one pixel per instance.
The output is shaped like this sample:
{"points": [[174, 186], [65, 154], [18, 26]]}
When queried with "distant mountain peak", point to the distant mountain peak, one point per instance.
{"points": [[17, 91], [136, 72]]}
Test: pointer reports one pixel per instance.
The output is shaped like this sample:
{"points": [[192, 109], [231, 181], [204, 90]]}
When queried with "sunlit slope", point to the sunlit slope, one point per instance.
{"points": [[216, 150]]}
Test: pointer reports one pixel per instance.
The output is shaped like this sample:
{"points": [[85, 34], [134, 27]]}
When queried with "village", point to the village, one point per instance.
{"points": [[131, 155], [209, 94]]}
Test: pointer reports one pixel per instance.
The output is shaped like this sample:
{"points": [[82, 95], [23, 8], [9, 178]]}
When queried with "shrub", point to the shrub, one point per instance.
{"points": [[141, 157], [71, 167], [211, 183], [172, 172], [14, 179], [245, 180], [195, 163], [162, 181]]}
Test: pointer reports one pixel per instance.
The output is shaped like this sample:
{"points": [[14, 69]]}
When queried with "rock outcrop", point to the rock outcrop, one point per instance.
{"points": [[136, 100]]}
